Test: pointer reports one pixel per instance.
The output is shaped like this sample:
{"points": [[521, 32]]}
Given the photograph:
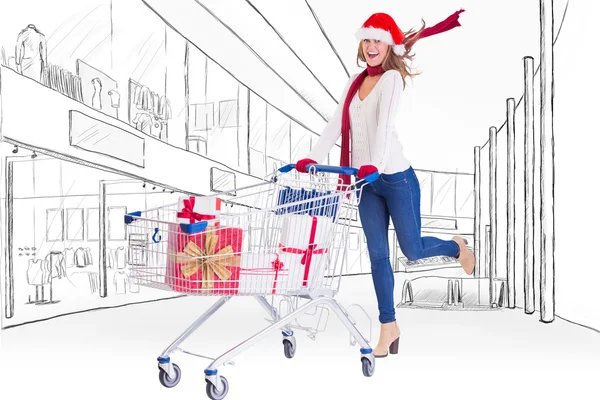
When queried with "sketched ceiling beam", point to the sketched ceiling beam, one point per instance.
{"points": [[266, 47], [307, 95], [291, 49], [327, 37], [200, 28], [89, 164]]}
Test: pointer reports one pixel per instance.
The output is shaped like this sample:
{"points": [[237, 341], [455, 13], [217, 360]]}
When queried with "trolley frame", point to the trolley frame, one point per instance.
{"points": [[217, 385]]}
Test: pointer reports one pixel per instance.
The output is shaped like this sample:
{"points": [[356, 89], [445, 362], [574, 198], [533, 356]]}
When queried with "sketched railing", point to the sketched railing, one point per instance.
{"points": [[54, 77], [538, 209], [492, 237], [60, 79]]}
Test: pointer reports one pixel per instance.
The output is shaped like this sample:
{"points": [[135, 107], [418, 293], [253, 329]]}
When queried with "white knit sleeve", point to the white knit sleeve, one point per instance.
{"points": [[389, 101], [332, 130]]}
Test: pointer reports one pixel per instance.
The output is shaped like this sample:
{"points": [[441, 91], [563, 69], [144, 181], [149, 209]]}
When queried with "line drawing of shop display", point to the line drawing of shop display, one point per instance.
{"points": [[41, 273], [92, 133], [75, 264], [148, 111], [98, 90], [141, 84], [55, 247]]}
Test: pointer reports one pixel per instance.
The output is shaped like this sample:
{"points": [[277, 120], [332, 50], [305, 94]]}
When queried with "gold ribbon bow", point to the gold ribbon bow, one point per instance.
{"points": [[194, 258]]}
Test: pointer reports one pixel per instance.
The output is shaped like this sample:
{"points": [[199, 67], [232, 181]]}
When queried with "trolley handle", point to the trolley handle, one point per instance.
{"points": [[333, 170]]}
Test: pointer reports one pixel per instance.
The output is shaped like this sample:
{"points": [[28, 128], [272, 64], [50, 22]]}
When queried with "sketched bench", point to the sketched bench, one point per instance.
{"points": [[440, 282], [443, 292], [427, 264]]}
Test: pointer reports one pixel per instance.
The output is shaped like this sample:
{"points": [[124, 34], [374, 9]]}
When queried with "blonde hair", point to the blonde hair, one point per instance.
{"points": [[398, 62]]}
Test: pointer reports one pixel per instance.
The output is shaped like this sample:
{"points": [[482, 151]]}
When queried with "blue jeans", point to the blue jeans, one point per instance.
{"points": [[398, 196]]}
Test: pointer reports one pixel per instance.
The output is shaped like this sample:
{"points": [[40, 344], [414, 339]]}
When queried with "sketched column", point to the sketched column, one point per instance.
{"points": [[529, 247], [547, 160], [9, 279], [102, 236], [186, 90], [510, 202], [493, 211], [477, 195]]}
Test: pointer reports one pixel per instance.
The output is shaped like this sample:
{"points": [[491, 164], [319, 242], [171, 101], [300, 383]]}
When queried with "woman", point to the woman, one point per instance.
{"points": [[365, 117]]}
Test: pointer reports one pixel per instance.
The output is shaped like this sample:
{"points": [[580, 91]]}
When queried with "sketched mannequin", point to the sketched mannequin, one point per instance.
{"points": [[365, 119], [97, 96], [31, 53]]}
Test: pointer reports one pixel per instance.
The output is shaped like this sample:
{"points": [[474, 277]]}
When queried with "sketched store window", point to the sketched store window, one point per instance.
{"points": [[222, 181], [116, 223], [228, 114], [54, 225], [202, 116], [75, 224], [93, 224]]}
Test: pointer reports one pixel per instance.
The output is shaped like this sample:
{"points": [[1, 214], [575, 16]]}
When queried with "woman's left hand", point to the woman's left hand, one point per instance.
{"points": [[366, 170]]}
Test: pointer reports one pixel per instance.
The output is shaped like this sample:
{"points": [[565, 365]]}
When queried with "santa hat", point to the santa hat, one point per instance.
{"points": [[380, 26]]}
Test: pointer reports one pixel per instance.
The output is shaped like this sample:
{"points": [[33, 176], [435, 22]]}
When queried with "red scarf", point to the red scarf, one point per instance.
{"points": [[345, 154], [445, 25]]}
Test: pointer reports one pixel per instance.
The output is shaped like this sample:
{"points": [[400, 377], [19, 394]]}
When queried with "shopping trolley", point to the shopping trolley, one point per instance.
{"points": [[286, 236]]}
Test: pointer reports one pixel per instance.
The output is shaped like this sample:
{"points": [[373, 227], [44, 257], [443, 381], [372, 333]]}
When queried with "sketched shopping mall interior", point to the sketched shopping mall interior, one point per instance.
{"points": [[116, 113]]}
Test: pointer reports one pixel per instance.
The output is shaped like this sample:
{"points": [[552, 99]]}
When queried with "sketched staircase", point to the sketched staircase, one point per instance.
{"points": [[456, 293]]}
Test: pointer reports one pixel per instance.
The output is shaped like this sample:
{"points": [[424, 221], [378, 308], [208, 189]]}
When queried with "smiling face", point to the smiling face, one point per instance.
{"points": [[374, 51]]}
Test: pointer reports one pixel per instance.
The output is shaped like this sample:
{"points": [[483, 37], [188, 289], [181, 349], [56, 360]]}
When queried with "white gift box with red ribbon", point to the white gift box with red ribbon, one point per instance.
{"points": [[302, 252], [257, 273], [194, 209]]}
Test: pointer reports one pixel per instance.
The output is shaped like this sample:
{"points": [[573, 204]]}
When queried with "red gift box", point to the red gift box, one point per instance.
{"points": [[205, 262]]}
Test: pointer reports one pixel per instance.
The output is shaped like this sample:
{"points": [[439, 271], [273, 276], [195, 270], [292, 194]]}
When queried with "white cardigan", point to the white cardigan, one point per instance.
{"points": [[374, 139]]}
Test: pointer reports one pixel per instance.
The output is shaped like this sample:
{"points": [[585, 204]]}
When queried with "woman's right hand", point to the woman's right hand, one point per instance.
{"points": [[302, 164]]}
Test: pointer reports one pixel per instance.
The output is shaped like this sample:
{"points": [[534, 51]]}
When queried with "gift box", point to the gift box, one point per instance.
{"points": [[205, 262], [321, 204], [302, 252], [195, 209], [258, 273]]}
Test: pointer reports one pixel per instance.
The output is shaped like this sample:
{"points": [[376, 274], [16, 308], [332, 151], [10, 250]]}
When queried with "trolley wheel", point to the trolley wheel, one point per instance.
{"points": [[368, 368], [213, 393], [166, 381], [289, 349]]}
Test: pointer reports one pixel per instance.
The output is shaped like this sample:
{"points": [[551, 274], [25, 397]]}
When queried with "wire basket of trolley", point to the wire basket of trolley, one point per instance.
{"points": [[284, 237]]}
